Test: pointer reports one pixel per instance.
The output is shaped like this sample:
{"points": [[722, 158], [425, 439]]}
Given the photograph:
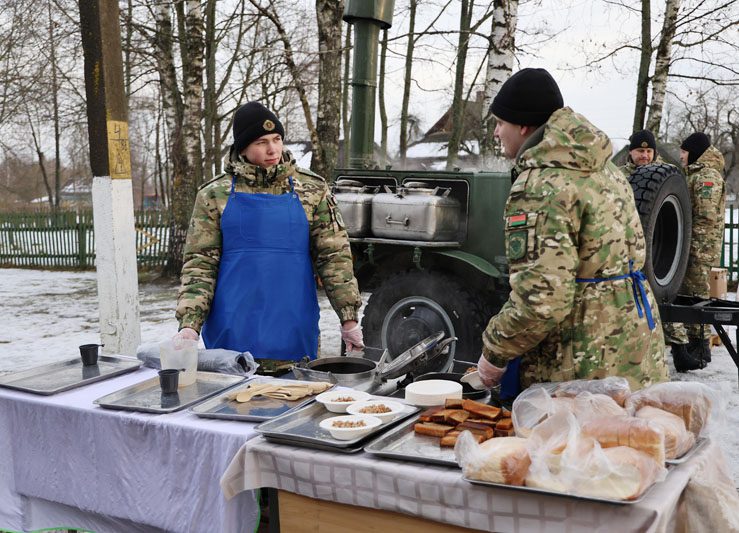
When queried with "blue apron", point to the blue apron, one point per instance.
{"points": [[510, 383], [265, 299]]}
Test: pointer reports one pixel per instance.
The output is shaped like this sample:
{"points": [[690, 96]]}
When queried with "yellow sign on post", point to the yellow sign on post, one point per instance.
{"points": [[119, 151]]}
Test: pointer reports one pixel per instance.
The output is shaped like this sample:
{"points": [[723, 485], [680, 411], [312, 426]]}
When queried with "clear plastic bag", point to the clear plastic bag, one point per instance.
{"points": [[614, 386], [533, 406], [678, 440], [501, 460], [587, 406]]}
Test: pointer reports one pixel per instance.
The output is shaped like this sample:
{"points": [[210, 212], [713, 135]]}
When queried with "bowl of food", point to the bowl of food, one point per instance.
{"points": [[385, 410], [349, 427], [337, 401]]}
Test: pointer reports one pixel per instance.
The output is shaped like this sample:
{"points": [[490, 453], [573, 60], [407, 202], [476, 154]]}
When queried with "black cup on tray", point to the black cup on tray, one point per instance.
{"points": [[89, 354], [169, 380]]}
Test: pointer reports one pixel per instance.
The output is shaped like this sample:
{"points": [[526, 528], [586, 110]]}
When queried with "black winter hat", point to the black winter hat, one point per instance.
{"points": [[695, 144], [251, 121], [642, 139], [528, 98]]}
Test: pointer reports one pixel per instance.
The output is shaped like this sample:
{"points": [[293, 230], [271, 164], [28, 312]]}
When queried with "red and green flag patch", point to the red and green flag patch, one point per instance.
{"points": [[517, 220]]}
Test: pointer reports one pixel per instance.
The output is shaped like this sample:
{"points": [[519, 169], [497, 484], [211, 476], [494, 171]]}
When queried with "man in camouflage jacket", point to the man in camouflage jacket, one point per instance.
{"points": [[329, 243], [572, 236], [704, 167], [642, 151]]}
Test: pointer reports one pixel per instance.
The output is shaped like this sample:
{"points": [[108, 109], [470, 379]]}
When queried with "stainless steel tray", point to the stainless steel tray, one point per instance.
{"points": [[326, 448], [560, 494], [404, 444], [301, 426], [147, 396], [702, 441], [69, 374], [257, 409]]}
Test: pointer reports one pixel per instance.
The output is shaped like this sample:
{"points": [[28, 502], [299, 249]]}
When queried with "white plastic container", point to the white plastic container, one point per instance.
{"points": [[182, 354], [432, 392]]}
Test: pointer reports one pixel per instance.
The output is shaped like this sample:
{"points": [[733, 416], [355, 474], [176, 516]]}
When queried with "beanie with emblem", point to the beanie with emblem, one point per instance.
{"points": [[251, 121], [642, 139], [695, 144], [528, 98]]}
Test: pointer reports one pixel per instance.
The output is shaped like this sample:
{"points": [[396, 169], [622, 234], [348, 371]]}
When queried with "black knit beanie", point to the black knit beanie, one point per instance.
{"points": [[528, 98], [695, 144], [642, 139], [251, 121]]}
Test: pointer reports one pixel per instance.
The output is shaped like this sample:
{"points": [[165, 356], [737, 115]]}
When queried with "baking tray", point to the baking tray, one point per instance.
{"points": [[301, 426], [404, 444], [560, 494], [702, 441], [69, 374], [326, 448], [257, 409], [147, 396]]}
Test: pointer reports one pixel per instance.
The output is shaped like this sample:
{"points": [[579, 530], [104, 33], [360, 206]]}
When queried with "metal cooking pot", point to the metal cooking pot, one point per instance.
{"points": [[369, 376], [467, 391]]}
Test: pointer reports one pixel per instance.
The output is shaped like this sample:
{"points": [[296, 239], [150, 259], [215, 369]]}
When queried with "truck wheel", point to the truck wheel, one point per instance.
{"points": [[406, 308], [663, 201]]}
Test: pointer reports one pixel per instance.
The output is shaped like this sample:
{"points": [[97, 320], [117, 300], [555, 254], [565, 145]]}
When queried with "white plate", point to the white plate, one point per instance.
{"points": [[339, 433], [395, 409], [328, 399]]}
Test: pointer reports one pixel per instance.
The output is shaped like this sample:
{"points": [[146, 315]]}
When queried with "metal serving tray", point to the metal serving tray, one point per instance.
{"points": [[147, 396], [315, 446], [257, 409], [301, 426], [404, 444], [65, 375], [560, 494], [702, 441]]}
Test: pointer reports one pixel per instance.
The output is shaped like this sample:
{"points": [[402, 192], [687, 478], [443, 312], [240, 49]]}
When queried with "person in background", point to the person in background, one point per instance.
{"points": [[642, 151], [257, 234], [703, 165], [579, 305]]}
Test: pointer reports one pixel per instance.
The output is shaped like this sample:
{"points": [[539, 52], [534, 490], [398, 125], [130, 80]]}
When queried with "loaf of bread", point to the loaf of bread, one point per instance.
{"points": [[587, 406], [678, 439], [689, 400], [631, 473], [500, 460], [627, 431], [614, 386]]}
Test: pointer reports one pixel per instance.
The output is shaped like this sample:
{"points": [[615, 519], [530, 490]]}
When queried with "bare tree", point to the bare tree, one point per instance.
{"points": [[662, 65], [645, 60]]}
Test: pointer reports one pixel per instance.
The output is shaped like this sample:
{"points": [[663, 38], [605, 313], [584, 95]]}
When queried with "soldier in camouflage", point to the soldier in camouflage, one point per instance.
{"points": [[258, 166], [704, 167], [642, 151], [579, 306]]}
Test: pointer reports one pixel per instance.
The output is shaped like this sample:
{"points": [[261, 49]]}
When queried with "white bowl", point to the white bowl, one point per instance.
{"points": [[395, 409], [339, 433], [432, 392], [474, 380], [328, 399]]}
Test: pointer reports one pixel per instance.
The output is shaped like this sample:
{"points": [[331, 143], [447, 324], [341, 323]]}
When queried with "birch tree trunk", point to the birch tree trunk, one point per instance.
{"points": [[501, 53], [345, 113], [328, 115], [407, 83], [642, 79], [458, 102], [210, 113], [55, 110], [381, 97], [662, 66]]}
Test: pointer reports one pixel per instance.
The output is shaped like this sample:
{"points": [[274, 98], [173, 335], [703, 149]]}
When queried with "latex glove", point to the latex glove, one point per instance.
{"points": [[186, 334], [489, 373], [351, 334]]}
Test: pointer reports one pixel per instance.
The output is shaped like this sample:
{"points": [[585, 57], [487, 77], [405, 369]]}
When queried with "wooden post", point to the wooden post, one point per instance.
{"points": [[112, 194]]}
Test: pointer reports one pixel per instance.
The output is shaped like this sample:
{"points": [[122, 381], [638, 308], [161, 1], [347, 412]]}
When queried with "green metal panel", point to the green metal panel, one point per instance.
{"points": [[377, 11]]}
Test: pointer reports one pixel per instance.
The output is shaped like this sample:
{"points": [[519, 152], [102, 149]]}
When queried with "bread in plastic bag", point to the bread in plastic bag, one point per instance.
{"points": [[700, 406], [678, 440], [614, 386], [533, 406], [587, 406], [500, 460], [627, 431]]}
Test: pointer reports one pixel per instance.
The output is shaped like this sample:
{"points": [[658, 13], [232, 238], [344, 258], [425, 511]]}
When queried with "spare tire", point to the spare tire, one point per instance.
{"points": [[663, 201]]}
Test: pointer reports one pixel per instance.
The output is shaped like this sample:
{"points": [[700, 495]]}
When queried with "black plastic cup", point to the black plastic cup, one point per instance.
{"points": [[89, 354], [169, 379]]}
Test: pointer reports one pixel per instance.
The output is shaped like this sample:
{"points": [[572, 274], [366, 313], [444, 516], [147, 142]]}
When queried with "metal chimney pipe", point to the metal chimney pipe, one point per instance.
{"points": [[367, 17]]}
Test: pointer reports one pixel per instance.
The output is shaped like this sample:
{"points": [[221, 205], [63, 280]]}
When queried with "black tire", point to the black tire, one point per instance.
{"points": [[406, 308], [663, 201]]}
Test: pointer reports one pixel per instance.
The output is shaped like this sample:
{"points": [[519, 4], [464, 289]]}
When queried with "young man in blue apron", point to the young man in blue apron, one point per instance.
{"points": [[258, 235]]}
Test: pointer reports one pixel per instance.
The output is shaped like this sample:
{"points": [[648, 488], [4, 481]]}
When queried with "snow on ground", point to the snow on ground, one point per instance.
{"points": [[48, 314]]}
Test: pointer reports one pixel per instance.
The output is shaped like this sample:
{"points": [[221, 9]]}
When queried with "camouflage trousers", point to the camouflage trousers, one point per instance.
{"points": [[694, 284]]}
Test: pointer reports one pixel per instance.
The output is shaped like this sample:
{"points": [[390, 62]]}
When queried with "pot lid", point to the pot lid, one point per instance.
{"points": [[419, 357]]}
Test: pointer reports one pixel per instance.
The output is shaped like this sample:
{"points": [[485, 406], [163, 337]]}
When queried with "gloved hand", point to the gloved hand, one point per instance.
{"points": [[186, 334], [489, 373], [351, 334]]}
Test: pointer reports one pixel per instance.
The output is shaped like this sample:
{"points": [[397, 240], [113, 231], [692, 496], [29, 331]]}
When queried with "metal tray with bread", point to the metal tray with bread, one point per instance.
{"points": [[702, 441], [148, 397], [69, 374], [268, 404], [303, 427]]}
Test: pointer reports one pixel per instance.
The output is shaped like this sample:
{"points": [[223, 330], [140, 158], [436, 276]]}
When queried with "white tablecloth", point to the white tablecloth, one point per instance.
{"points": [[63, 457], [440, 494]]}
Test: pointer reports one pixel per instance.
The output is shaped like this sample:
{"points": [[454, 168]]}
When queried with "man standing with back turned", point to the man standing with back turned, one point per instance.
{"points": [[579, 305]]}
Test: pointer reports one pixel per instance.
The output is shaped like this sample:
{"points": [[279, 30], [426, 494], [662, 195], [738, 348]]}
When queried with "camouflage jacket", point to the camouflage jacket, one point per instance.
{"points": [[571, 214], [329, 242], [708, 196], [629, 168]]}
